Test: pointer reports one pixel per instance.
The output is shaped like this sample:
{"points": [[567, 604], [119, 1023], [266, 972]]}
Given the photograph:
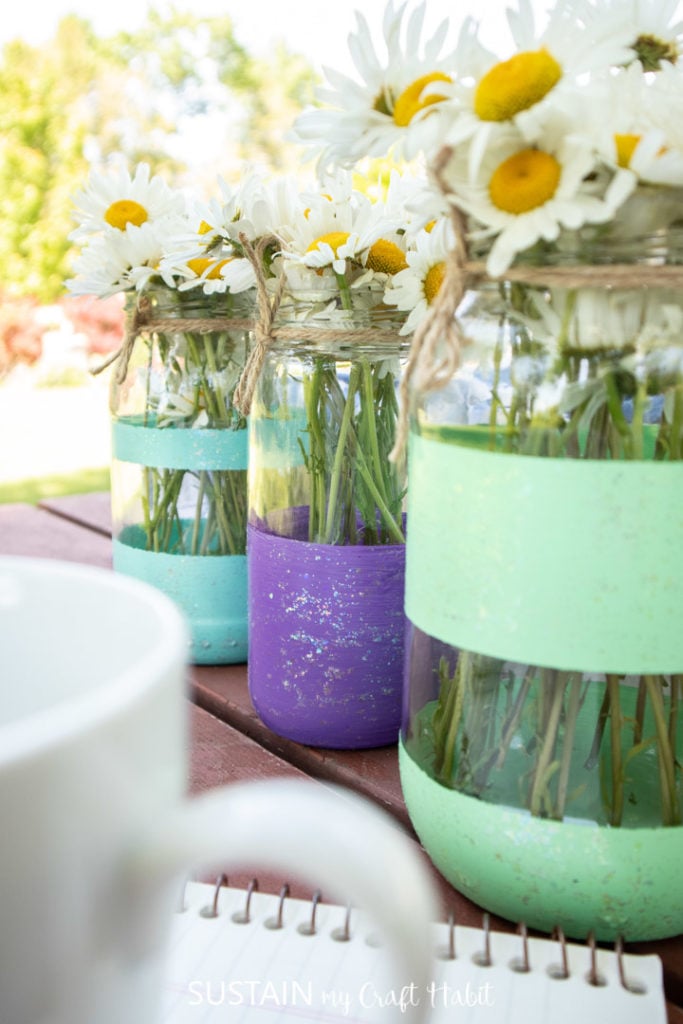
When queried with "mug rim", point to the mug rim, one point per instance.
{"points": [[60, 723]]}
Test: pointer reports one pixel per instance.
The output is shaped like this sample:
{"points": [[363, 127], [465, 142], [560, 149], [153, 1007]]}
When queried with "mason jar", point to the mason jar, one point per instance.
{"points": [[179, 462], [326, 548], [542, 732]]}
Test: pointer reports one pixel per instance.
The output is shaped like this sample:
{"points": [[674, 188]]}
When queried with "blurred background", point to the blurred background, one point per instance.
{"points": [[199, 88]]}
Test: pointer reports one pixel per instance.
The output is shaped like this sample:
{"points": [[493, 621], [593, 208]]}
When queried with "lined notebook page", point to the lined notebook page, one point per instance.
{"points": [[219, 970]]}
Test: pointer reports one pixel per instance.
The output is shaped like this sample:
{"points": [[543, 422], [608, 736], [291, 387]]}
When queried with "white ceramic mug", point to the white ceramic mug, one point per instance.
{"points": [[95, 830]]}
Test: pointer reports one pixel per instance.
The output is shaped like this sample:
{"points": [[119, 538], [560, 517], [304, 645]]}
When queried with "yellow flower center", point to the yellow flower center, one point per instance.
{"points": [[433, 281], [200, 264], [524, 181], [334, 239], [386, 257], [411, 101], [516, 84], [204, 228], [124, 212], [625, 145]]}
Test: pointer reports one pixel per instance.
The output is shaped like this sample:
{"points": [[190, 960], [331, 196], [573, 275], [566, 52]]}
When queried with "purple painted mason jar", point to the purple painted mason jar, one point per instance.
{"points": [[326, 533]]}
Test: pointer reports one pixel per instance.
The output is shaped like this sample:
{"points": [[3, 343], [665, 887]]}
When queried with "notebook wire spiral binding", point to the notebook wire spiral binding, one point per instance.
{"points": [[333, 947]]}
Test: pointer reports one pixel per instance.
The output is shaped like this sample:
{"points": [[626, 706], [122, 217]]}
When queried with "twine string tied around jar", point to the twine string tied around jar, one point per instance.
{"points": [[438, 341]]}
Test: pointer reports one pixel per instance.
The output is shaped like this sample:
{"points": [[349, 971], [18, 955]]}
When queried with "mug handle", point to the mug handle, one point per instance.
{"points": [[340, 841]]}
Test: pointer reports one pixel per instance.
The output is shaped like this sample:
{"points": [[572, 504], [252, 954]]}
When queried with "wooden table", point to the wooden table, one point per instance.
{"points": [[230, 743]]}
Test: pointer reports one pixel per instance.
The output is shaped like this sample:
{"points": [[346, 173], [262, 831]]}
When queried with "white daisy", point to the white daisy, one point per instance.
{"points": [[654, 27], [667, 88], [120, 261], [413, 202], [115, 201], [217, 274], [397, 102], [335, 237], [628, 116], [541, 75], [414, 289], [523, 194]]}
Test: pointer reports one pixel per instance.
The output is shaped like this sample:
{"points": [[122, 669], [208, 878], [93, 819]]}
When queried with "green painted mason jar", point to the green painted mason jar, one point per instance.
{"points": [[543, 727], [179, 462]]}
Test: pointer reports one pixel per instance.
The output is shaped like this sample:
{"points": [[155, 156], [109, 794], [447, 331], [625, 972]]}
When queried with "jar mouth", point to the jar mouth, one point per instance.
{"points": [[323, 311]]}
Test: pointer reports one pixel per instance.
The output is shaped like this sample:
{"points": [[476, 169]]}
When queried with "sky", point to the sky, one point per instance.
{"points": [[316, 28]]}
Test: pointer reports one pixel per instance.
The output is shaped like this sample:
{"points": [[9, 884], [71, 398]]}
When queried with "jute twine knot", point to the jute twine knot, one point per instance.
{"points": [[266, 332], [438, 341], [143, 319], [268, 306]]}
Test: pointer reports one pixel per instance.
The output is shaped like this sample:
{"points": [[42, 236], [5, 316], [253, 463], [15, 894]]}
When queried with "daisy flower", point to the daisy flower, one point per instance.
{"points": [[414, 289], [413, 202], [654, 27], [628, 117], [520, 89], [115, 201], [395, 104], [217, 274], [333, 236], [246, 210], [523, 194], [120, 261]]}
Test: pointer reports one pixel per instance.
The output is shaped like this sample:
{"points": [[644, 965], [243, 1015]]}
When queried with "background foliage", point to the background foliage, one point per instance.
{"points": [[77, 100]]}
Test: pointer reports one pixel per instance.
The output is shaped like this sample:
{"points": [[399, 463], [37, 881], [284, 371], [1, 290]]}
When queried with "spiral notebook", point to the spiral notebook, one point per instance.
{"points": [[239, 955]]}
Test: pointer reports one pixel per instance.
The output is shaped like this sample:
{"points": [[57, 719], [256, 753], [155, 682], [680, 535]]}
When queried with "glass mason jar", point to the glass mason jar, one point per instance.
{"points": [[179, 463], [542, 733], [326, 548]]}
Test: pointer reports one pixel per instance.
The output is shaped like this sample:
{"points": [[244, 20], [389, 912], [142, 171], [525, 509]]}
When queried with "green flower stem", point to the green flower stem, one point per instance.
{"points": [[511, 723], [344, 291], [452, 718], [572, 715], [614, 400], [316, 458], [639, 720], [674, 709], [676, 441], [393, 529], [229, 498], [544, 765], [194, 546], [147, 485], [370, 427], [172, 481], [637, 422], [495, 400], [341, 455], [209, 528], [443, 715], [616, 722], [670, 805], [223, 416], [223, 523]]}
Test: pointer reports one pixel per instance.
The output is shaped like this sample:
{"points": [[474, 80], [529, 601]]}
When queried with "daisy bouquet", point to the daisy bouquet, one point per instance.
{"points": [[189, 301], [551, 221]]}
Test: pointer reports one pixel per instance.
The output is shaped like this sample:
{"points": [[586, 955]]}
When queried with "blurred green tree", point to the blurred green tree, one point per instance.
{"points": [[181, 93]]}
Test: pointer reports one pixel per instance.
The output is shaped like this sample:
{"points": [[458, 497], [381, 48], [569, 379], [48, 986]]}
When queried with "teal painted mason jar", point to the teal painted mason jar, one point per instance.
{"points": [[542, 740], [179, 462]]}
